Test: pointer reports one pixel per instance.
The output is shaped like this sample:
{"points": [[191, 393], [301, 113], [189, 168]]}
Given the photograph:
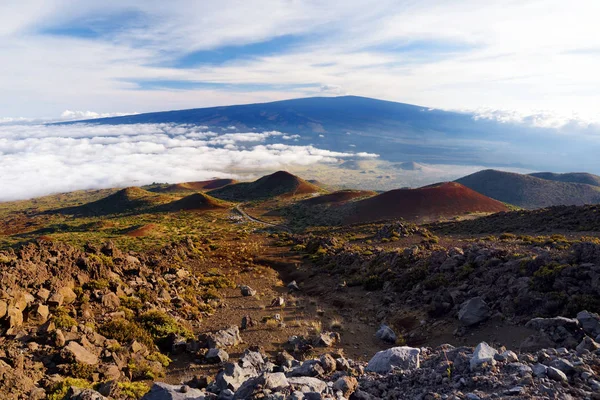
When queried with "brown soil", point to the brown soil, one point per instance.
{"points": [[338, 197], [197, 186], [141, 231]]}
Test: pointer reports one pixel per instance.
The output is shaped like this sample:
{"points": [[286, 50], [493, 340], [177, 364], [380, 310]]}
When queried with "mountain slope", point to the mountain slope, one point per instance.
{"points": [[395, 131], [278, 184], [188, 187], [427, 203], [338, 197], [127, 200], [572, 177], [529, 191], [194, 202]]}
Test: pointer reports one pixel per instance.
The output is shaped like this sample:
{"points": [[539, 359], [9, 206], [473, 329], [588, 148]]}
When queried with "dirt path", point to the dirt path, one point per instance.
{"points": [[244, 214]]}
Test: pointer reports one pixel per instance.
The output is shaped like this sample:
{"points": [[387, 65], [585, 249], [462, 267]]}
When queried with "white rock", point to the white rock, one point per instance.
{"points": [[556, 374], [397, 357], [483, 354]]}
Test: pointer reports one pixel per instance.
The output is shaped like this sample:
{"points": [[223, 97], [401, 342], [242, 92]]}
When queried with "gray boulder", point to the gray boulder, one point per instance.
{"points": [[590, 322], [587, 344], [76, 393], [273, 382], [556, 374], [539, 370], [216, 356], [473, 311], [397, 357], [224, 338], [233, 376], [163, 391], [483, 355], [546, 324], [386, 334], [308, 384]]}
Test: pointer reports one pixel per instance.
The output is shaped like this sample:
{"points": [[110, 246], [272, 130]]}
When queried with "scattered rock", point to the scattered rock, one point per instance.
{"points": [[224, 338], [76, 352], [278, 302], [473, 311], [556, 374], [247, 322], [39, 314], [327, 339], [216, 356], [163, 391], [111, 301], [307, 384], [590, 322], [386, 334], [587, 344], [347, 385], [482, 356], [247, 291]]}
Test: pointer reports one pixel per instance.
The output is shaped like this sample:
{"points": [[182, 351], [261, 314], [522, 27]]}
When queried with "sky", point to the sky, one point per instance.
{"points": [[532, 62], [123, 56]]}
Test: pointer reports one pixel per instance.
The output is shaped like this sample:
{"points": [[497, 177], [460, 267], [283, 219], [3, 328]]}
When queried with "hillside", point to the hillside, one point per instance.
{"points": [[188, 187], [430, 202], [551, 219], [573, 177], [194, 202], [529, 191], [395, 131], [280, 183], [338, 197], [132, 199]]}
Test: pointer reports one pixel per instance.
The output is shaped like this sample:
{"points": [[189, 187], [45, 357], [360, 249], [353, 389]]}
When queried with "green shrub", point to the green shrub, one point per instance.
{"points": [[62, 319], [99, 284], [125, 332], [59, 390], [81, 371], [160, 324], [544, 277], [160, 357], [133, 390], [131, 302]]}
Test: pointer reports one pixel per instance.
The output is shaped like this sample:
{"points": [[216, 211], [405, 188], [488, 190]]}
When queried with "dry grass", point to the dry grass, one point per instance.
{"points": [[336, 324]]}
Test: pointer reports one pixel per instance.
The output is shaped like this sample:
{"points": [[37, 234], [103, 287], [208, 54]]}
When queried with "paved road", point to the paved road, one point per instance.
{"points": [[244, 214]]}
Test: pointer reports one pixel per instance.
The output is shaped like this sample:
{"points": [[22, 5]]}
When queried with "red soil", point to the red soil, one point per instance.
{"points": [[141, 231], [283, 180], [427, 203], [338, 197]]}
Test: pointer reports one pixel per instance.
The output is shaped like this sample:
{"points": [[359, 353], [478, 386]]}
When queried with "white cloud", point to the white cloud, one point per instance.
{"points": [[512, 54], [542, 119], [69, 115], [41, 159]]}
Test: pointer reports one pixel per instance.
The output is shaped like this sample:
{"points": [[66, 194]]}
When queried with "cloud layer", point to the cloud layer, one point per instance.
{"points": [[42, 159]]}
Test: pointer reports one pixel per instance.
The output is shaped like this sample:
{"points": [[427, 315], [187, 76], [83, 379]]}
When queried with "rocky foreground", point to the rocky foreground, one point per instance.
{"points": [[100, 323], [445, 372]]}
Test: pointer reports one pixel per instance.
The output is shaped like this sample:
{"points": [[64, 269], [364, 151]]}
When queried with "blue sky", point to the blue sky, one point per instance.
{"points": [[112, 56]]}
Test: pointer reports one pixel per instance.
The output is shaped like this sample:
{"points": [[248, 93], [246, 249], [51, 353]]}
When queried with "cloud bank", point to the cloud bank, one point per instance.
{"points": [[41, 159]]}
